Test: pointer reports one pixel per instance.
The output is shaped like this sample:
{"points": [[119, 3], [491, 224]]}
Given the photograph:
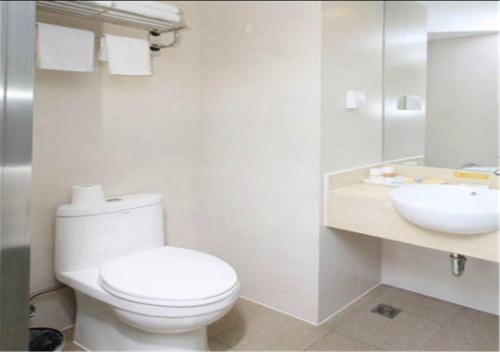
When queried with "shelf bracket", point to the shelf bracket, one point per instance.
{"points": [[157, 47]]}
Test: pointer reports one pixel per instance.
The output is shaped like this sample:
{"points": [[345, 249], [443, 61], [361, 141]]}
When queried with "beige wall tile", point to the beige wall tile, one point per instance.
{"points": [[352, 31], [55, 309], [352, 36], [405, 67], [260, 95], [453, 136]]}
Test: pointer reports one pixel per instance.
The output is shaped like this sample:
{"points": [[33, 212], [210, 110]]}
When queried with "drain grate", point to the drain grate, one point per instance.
{"points": [[386, 310]]}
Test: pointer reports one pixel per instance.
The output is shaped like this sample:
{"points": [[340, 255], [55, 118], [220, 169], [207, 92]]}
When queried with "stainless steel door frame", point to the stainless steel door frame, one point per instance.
{"points": [[17, 41]]}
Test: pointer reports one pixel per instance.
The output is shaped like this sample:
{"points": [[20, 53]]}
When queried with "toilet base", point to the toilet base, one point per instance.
{"points": [[97, 329]]}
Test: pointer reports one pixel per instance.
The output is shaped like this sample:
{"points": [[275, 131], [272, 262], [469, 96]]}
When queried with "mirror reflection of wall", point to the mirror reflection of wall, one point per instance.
{"points": [[446, 79], [405, 56], [462, 108]]}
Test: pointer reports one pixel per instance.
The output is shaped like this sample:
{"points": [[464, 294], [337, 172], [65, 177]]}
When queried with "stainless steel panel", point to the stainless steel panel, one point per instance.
{"points": [[17, 40]]}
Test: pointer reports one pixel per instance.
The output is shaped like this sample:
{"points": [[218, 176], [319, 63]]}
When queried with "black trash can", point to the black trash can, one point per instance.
{"points": [[46, 339]]}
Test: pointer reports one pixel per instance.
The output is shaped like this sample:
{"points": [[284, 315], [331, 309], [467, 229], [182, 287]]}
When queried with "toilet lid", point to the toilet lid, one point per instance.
{"points": [[166, 275]]}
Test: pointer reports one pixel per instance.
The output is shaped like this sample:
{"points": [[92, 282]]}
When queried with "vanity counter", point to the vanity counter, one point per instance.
{"points": [[367, 209]]}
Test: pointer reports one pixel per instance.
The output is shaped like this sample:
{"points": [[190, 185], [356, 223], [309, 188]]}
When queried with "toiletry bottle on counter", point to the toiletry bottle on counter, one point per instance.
{"points": [[389, 171], [376, 174]]}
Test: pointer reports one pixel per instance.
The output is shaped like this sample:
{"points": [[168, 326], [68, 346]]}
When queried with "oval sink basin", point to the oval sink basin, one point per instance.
{"points": [[448, 208]]}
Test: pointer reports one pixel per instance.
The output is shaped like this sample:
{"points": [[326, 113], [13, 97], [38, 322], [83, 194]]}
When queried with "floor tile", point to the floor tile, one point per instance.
{"points": [[425, 323], [68, 341], [217, 346], [378, 291], [424, 306], [270, 330], [467, 330], [242, 310], [365, 303], [404, 332], [338, 342]]}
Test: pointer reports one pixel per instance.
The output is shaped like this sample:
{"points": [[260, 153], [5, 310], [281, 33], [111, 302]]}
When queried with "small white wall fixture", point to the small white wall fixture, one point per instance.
{"points": [[409, 102], [356, 99]]}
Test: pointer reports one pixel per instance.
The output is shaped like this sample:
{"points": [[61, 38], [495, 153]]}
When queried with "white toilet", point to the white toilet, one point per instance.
{"points": [[134, 292]]}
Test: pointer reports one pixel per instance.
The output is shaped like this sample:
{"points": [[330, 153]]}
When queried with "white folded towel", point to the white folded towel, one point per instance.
{"points": [[103, 3], [162, 13], [155, 5], [64, 49], [126, 56], [103, 50]]}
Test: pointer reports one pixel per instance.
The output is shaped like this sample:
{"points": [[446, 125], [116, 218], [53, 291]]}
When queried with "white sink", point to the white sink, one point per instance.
{"points": [[446, 208]]}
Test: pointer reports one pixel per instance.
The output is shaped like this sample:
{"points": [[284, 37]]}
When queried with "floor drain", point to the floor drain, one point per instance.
{"points": [[386, 310]]}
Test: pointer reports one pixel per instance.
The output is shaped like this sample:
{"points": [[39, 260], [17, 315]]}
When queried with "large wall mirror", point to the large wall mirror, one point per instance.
{"points": [[441, 83]]}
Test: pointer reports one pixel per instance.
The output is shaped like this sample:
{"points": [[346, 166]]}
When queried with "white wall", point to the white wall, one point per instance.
{"points": [[462, 110], [352, 37], [260, 88], [405, 57]]}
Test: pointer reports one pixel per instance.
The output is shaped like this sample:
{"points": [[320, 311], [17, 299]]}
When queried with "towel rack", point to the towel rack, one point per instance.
{"points": [[93, 11]]}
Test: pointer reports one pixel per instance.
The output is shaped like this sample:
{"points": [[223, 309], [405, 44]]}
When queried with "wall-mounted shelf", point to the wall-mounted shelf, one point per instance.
{"points": [[91, 10]]}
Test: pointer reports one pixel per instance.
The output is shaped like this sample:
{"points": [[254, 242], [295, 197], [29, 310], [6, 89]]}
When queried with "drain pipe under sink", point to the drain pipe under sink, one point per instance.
{"points": [[457, 264]]}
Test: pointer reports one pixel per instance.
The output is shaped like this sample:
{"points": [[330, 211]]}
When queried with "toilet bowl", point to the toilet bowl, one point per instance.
{"points": [[133, 292]]}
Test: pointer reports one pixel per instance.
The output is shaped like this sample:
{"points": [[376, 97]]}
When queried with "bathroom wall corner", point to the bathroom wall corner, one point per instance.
{"points": [[352, 36]]}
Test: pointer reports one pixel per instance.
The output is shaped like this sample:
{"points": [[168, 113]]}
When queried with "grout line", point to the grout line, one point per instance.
{"points": [[349, 304], [442, 326], [355, 338], [378, 348], [279, 311], [77, 344], [220, 343], [441, 301], [334, 330], [69, 327], [236, 322], [431, 337]]}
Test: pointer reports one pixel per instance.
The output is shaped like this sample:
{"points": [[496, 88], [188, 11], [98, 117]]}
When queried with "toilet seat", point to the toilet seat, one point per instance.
{"points": [[168, 277]]}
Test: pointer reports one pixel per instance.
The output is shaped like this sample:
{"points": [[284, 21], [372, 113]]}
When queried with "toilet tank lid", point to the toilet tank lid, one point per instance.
{"points": [[111, 204]]}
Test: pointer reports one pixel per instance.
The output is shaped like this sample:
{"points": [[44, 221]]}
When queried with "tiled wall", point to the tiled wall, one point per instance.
{"points": [[260, 92], [352, 37], [405, 63]]}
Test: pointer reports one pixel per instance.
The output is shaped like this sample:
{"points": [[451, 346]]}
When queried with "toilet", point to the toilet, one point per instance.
{"points": [[133, 292]]}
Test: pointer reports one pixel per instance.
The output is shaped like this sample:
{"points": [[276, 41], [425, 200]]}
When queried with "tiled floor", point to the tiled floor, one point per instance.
{"points": [[424, 324]]}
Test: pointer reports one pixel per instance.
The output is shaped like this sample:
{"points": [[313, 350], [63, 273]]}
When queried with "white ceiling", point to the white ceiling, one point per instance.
{"points": [[462, 16]]}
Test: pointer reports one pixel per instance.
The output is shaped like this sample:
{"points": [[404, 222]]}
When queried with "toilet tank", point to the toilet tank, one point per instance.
{"points": [[89, 235]]}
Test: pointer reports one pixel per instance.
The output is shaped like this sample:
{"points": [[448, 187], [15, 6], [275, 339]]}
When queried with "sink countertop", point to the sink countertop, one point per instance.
{"points": [[367, 209]]}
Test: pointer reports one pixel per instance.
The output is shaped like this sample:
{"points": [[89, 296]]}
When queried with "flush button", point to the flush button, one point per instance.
{"points": [[114, 200]]}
